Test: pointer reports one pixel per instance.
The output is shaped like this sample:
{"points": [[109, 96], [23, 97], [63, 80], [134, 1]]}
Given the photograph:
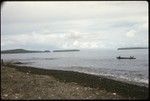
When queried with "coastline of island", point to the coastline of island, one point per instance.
{"points": [[66, 50], [15, 51]]}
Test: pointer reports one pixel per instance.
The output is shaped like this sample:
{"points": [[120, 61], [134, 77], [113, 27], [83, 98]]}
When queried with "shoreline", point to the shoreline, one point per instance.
{"points": [[128, 91]]}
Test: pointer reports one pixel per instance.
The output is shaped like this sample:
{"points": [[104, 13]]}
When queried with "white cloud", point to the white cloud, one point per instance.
{"points": [[131, 33], [74, 24], [56, 11], [66, 40]]}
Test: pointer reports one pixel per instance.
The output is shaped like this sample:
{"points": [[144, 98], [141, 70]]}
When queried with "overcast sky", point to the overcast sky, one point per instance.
{"points": [[74, 25]]}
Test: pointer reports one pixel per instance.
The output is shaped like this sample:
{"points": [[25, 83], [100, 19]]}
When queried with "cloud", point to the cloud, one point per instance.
{"points": [[73, 39], [74, 24], [60, 11], [131, 33]]}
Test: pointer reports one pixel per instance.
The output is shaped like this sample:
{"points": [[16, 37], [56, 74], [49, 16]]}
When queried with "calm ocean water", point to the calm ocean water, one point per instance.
{"points": [[97, 62]]}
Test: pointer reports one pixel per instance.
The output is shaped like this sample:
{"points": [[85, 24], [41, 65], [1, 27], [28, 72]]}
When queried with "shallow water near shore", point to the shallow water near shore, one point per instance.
{"points": [[97, 62]]}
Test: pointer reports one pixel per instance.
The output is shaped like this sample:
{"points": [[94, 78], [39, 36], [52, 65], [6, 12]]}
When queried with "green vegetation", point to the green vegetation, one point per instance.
{"points": [[19, 51], [66, 50], [31, 51], [47, 51], [129, 48]]}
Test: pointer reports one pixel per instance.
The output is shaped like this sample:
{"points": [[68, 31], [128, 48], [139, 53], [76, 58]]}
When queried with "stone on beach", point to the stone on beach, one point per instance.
{"points": [[54, 85], [114, 93]]}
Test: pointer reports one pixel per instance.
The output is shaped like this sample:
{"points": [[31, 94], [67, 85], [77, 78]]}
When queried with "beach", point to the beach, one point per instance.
{"points": [[22, 82]]}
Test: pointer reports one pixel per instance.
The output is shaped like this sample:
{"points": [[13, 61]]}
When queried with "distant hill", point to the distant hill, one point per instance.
{"points": [[19, 51], [129, 48], [70, 50]]}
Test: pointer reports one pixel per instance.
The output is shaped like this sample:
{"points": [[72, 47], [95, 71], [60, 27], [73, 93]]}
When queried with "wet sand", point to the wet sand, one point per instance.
{"points": [[21, 82]]}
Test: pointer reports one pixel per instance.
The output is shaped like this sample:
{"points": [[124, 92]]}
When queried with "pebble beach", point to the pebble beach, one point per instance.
{"points": [[20, 82]]}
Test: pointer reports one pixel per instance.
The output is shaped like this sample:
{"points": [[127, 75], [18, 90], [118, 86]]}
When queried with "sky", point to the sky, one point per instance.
{"points": [[74, 25]]}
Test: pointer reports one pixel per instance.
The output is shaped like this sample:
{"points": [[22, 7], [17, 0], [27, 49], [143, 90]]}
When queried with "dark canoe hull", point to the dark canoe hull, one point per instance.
{"points": [[125, 58]]}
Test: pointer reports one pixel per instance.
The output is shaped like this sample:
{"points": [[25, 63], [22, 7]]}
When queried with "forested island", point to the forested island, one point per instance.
{"points": [[68, 50], [129, 48], [33, 51], [21, 51]]}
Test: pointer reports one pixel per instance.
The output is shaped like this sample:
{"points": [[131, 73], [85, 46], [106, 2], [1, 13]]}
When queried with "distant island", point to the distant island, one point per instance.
{"points": [[47, 51], [129, 48], [68, 50], [21, 51]]}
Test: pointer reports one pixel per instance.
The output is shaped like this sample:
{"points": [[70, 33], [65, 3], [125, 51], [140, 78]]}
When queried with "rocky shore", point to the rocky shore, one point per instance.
{"points": [[21, 82]]}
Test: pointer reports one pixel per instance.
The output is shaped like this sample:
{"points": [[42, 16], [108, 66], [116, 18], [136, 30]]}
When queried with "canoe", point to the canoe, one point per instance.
{"points": [[125, 58]]}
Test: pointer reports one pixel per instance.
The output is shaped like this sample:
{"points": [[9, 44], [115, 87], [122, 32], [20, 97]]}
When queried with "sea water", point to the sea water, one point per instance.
{"points": [[96, 62]]}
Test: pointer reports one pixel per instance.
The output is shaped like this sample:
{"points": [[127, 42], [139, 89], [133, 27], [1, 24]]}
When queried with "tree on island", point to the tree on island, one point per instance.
{"points": [[46, 51]]}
